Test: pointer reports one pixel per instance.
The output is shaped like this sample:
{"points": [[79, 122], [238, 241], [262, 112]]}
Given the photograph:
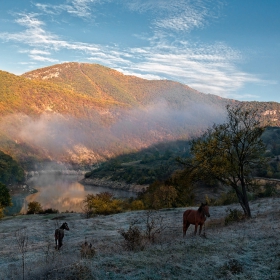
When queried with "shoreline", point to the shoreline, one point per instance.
{"points": [[30, 174], [18, 195], [115, 185]]}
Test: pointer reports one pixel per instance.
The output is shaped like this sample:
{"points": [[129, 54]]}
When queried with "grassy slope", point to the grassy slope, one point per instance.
{"points": [[244, 250], [102, 82], [32, 97]]}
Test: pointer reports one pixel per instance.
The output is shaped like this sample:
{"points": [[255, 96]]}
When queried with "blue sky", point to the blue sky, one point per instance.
{"points": [[228, 48]]}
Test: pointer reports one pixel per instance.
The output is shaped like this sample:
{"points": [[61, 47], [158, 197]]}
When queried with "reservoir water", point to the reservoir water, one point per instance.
{"points": [[61, 192]]}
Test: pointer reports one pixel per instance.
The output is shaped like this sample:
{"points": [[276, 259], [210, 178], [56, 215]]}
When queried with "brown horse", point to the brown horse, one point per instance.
{"points": [[195, 217], [59, 234]]}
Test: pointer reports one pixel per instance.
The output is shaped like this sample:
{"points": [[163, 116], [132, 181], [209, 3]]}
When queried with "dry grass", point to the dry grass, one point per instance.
{"points": [[244, 250]]}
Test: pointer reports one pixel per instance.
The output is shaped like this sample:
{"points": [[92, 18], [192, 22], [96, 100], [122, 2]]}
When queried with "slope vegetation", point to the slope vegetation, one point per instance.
{"points": [[86, 113]]}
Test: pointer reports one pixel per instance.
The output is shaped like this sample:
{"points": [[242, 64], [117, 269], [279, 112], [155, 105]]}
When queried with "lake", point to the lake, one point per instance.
{"points": [[61, 192]]}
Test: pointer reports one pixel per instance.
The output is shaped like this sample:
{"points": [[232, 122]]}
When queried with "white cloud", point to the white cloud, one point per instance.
{"points": [[39, 52], [43, 58], [207, 68], [184, 22], [79, 8]]}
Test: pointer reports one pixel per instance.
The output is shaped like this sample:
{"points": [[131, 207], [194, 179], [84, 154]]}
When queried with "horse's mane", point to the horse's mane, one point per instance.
{"points": [[200, 209]]}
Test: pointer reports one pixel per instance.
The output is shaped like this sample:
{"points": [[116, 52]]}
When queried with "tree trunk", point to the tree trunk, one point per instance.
{"points": [[246, 203], [243, 200]]}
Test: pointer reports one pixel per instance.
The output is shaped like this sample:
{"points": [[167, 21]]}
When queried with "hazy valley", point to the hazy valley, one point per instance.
{"points": [[127, 131], [82, 114]]}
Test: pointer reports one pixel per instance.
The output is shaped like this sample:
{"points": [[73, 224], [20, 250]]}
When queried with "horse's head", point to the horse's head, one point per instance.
{"points": [[205, 209], [65, 226]]}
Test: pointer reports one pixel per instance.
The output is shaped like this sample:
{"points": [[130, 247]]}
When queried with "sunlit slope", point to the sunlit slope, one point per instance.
{"points": [[108, 85], [84, 113], [21, 95], [104, 83]]}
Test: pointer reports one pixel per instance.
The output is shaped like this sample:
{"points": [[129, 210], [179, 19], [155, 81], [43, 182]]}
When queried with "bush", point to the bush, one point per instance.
{"points": [[5, 199], [49, 211], [268, 191], [136, 238], [164, 197], [227, 198], [159, 195], [232, 266], [133, 238], [88, 174], [102, 203], [1, 213], [154, 225], [34, 207], [87, 251], [137, 205], [234, 216]]}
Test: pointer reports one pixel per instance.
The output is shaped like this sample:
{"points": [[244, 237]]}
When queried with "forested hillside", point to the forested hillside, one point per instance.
{"points": [[10, 171], [107, 84], [82, 114], [158, 162]]}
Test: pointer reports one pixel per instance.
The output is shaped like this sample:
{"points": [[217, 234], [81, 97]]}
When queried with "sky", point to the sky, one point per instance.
{"points": [[223, 47]]}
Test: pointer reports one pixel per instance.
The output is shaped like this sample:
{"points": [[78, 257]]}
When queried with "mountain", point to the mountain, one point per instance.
{"points": [[83, 113], [104, 83]]}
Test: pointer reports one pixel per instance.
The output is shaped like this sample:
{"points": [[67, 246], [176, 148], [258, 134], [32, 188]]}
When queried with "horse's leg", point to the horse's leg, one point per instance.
{"points": [[186, 226], [55, 239], [195, 229], [185, 222], [200, 228], [59, 242]]}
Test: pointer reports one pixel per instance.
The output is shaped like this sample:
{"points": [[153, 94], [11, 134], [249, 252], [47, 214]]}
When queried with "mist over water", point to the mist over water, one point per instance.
{"points": [[89, 140], [96, 136], [64, 192]]}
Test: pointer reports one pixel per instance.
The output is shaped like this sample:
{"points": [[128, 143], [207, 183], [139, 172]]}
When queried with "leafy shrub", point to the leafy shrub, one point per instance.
{"points": [[87, 251], [233, 266], [34, 207], [1, 213], [164, 197], [80, 271], [234, 216], [160, 195], [137, 205], [10, 171], [133, 238], [49, 211], [268, 191], [88, 174], [102, 203], [5, 199], [227, 198], [137, 238]]}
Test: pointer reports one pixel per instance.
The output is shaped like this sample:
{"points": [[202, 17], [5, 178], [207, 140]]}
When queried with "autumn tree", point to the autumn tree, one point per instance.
{"points": [[5, 198], [102, 203], [229, 152], [34, 207]]}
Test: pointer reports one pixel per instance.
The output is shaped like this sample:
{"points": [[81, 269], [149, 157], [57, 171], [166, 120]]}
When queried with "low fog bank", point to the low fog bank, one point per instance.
{"points": [[87, 141]]}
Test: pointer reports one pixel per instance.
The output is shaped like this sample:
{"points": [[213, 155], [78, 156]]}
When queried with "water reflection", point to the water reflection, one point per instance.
{"points": [[64, 192]]}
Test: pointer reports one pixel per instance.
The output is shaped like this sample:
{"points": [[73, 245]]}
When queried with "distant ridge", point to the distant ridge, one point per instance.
{"points": [[84, 113], [105, 83]]}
